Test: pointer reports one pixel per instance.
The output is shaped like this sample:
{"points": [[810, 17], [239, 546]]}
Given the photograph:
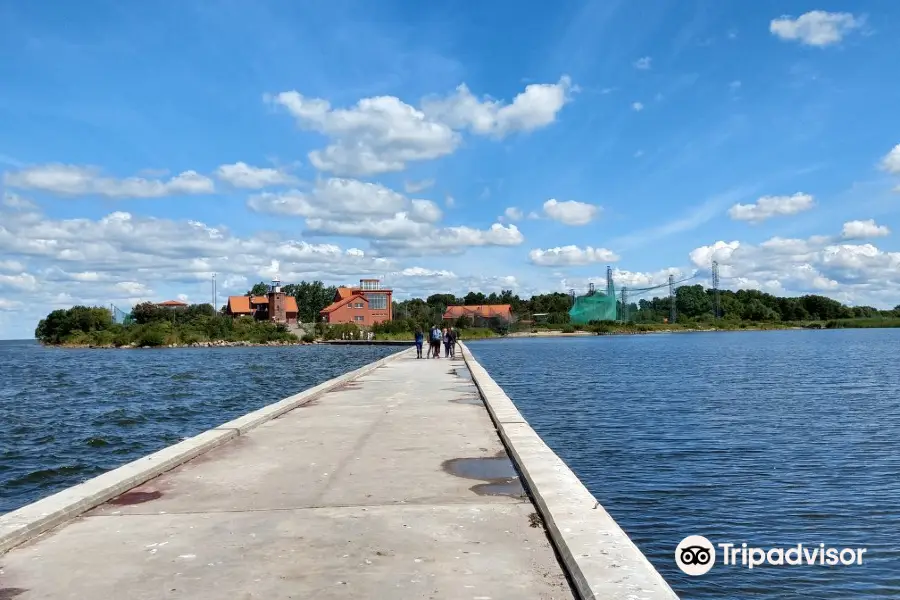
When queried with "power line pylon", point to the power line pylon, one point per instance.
{"points": [[672, 313], [715, 284]]}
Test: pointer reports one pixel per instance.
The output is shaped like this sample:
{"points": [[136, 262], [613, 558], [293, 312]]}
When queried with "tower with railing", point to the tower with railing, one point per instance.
{"points": [[277, 312]]}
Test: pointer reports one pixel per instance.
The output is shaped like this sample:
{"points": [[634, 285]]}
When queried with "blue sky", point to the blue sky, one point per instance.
{"points": [[512, 145]]}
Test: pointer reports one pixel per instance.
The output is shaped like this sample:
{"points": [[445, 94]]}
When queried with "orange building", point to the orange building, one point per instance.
{"points": [[172, 304], [480, 312], [365, 305], [277, 306]]}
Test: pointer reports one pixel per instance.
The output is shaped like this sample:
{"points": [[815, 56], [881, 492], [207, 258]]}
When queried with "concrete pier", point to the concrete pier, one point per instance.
{"points": [[391, 482], [390, 486]]}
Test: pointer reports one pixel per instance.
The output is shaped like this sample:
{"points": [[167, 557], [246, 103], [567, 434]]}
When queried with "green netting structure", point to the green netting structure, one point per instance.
{"points": [[593, 307]]}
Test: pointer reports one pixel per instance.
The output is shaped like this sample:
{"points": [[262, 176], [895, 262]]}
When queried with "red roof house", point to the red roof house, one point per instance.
{"points": [[258, 307], [365, 305]]}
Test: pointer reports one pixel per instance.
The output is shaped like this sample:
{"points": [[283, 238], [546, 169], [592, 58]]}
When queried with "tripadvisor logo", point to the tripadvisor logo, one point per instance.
{"points": [[696, 555]]}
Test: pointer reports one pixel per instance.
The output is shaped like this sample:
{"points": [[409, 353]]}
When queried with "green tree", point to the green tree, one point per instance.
{"points": [[312, 297], [147, 312], [258, 289], [692, 301]]}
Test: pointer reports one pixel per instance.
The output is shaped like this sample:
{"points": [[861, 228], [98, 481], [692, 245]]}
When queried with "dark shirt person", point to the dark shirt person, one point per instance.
{"points": [[420, 339]]}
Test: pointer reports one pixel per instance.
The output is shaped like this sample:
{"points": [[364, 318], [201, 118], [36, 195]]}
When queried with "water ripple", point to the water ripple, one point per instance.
{"points": [[768, 438], [67, 415]]}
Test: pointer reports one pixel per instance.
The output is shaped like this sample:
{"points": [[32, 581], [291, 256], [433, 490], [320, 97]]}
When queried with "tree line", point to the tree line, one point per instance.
{"points": [[692, 303], [151, 325]]}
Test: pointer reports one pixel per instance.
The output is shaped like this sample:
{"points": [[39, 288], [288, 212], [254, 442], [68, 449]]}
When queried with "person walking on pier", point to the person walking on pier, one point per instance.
{"points": [[453, 337], [446, 339], [420, 339], [435, 342]]}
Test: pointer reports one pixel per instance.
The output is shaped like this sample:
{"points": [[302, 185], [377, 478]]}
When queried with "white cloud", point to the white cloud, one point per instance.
{"points": [[855, 273], [121, 247], [344, 199], [73, 180], [382, 134], [414, 187], [11, 266], [771, 206], [378, 135], [449, 201], [122, 259], [531, 109], [815, 28], [22, 282], [17, 202], [133, 289], [637, 106], [399, 225], [571, 212], [571, 256], [421, 272], [450, 240], [891, 161], [514, 214], [636, 280], [860, 230], [9, 305], [643, 63], [242, 175], [734, 85], [349, 207], [393, 223]]}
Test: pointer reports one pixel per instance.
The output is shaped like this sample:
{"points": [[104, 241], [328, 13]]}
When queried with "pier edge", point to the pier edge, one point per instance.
{"points": [[600, 558]]}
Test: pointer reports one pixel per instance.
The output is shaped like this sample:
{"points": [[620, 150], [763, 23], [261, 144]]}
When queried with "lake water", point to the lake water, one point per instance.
{"points": [[769, 438], [67, 415]]}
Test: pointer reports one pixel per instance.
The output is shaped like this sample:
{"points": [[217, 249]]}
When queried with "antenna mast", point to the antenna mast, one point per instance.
{"points": [[715, 284], [672, 313]]}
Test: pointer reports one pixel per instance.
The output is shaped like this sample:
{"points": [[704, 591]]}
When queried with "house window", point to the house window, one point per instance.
{"points": [[377, 301], [359, 318], [358, 305]]}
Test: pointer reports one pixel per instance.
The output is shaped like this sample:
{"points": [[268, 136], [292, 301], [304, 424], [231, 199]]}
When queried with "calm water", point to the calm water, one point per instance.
{"points": [[68, 415], [769, 438]]}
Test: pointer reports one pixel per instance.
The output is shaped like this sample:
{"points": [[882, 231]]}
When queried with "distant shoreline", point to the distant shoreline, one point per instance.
{"points": [[214, 344], [394, 340]]}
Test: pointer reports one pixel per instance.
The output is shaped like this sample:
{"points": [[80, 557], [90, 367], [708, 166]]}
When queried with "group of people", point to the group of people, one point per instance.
{"points": [[436, 337]]}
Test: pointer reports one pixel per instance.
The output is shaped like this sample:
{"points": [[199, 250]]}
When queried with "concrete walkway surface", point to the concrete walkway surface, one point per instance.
{"points": [[394, 486]]}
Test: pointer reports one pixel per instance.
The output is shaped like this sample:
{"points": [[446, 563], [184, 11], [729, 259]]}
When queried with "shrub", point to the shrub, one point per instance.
{"points": [[568, 329], [308, 338], [152, 335], [341, 330]]}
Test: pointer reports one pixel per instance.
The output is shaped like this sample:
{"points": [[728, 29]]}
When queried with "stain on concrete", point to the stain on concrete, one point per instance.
{"points": [[10, 593], [472, 400], [461, 372], [131, 498], [350, 385], [313, 402], [498, 473]]}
